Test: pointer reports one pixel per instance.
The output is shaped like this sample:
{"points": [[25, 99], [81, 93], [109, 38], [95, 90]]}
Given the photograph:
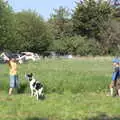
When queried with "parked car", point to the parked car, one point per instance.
{"points": [[2, 61], [49, 54], [20, 58], [5, 55], [30, 56]]}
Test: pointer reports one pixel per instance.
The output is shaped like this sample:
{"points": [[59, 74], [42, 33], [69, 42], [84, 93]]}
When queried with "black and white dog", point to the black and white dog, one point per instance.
{"points": [[36, 87]]}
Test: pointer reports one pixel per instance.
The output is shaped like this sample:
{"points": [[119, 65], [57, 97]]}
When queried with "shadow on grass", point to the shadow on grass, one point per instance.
{"points": [[101, 116], [22, 88], [36, 118]]}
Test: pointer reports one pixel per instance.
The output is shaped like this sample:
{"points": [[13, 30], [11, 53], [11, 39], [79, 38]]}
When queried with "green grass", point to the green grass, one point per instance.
{"points": [[74, 90]]}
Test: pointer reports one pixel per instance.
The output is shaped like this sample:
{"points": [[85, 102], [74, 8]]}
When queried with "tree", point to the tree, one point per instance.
{"points": [[6, 26], [89, 17], [32, 33], [109, 37], [61, 22]]}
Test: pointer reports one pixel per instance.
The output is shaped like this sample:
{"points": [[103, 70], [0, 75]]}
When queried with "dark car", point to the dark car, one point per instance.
{"points": [[49, 54], [2, 61]]}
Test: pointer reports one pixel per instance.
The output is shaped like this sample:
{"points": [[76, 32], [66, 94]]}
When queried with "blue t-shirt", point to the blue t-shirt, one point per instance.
{"points": [[116, 69]]}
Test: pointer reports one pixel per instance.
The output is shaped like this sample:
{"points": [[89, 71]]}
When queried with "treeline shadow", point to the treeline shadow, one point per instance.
{"points": [[101, 116], [36, 118]]}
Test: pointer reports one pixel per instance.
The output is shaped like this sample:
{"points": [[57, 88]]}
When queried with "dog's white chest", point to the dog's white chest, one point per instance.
{"points": [[32, 83]]}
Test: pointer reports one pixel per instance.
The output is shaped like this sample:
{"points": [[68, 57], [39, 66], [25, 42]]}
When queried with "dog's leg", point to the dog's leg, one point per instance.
{"points": [[32, 92], [40, 91], [37, 94]]}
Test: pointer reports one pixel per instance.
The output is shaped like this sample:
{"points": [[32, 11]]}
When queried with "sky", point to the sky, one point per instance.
{"points": [[43, 7]]}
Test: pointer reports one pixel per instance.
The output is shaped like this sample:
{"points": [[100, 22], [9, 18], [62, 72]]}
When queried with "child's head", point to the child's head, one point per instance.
{"points": [[116, 62], [13, 59]]}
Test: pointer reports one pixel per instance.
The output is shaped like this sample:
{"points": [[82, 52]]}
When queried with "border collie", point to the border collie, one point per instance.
{"points": [[36, 87]]}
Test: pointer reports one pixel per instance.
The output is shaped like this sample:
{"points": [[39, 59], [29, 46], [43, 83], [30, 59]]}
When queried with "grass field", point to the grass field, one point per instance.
{"points": [[74, 90]]}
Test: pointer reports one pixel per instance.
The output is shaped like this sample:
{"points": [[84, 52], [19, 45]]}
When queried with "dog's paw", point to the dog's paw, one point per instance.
{"points": [[42, 97]]}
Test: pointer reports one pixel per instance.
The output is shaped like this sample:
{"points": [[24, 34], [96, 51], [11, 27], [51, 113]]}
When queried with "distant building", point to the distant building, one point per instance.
{"points": [[114, 2]]}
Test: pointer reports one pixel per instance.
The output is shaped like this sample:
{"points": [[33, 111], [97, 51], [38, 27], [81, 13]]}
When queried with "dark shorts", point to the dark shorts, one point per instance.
{"points": [[14, 81], [113, 84], [118, 83], [115, 75]]}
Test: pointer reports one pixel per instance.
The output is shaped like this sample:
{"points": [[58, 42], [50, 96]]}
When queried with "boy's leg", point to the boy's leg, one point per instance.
{"points": [[118, 85], [118, 92], [112, 88], [113, 83], [12, 84], [10, 91], [17, 84]]}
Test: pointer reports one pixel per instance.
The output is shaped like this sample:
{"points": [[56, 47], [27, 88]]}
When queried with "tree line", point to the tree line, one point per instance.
{"points": [[91, 28]]}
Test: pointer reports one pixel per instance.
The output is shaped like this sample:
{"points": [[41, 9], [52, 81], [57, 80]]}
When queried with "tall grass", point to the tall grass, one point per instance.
{"points": [[60, 75], [74, 90]]}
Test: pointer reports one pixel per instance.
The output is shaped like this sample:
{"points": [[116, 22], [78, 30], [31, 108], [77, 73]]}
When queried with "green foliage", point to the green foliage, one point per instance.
{"points": [[59, 76], [61, 22], [74, 88], [92, 28], [89, 47], [32, 32], [99, 21], [109, 37], [6, 26], [76, 45], [89, 17]]}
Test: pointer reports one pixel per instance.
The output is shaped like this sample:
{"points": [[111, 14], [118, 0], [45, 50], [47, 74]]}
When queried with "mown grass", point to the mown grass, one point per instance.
{"points": [[74, 90]]}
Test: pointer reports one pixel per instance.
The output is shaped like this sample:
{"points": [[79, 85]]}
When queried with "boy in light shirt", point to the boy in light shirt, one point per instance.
{"points": [[13, 74]]}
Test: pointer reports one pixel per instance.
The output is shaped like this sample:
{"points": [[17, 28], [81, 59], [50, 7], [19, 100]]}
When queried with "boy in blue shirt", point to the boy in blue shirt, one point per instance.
{"points": [[115, 75]]}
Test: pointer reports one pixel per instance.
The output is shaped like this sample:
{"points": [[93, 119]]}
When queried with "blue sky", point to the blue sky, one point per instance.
{"points": [[43, 7]]}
